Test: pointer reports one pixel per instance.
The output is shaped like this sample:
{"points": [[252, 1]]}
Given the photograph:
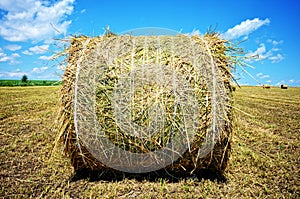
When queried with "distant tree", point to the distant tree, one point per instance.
{"points": [[24, 79]]}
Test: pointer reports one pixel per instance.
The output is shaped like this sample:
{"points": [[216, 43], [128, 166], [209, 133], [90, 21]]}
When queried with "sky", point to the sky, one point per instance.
{"points": [[31, 32]]}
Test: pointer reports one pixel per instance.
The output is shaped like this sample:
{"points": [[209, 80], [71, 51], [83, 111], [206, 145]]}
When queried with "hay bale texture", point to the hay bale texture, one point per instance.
{"points": [[201, 62]]}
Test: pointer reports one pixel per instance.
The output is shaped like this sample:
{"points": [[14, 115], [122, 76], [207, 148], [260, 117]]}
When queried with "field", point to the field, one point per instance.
{"points": [[29, 83], [264, 162]]}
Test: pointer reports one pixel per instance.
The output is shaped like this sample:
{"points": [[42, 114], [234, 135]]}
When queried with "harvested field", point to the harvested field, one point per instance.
{"points": [[264, 162]]}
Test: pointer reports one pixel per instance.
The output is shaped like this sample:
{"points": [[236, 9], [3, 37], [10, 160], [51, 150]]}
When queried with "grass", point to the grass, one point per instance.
{"points": [[264, 161], [29, 83]]}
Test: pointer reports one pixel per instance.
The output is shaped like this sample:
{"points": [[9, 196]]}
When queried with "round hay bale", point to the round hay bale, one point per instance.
{"points": [[284, 86], [143, 103], [266, 86]]}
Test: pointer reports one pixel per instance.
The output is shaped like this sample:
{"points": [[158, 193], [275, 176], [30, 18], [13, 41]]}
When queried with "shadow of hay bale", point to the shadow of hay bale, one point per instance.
{"points": [[208, 172], [154, 176]]}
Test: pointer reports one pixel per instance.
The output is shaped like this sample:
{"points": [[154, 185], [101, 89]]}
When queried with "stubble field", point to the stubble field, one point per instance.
{"points": [[264, 162]]}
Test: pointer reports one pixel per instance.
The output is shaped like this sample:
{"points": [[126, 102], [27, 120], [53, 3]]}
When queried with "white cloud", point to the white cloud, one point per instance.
{"points": [[13, 74], [34, 20], [13, 5], [3, 56], [34, 73], [291, 81], [265, 76], [61, 67], [27, 52], [13, 47], [36, 50], [245, 28], [39, 70], [274, 42], [277, 58], [82, 11], [39, 49], [12, 59], [262, 76], [268, 81], [15, 55], [261, 53], [275, 49], [259, 74], [47, 76], [45, 57]]}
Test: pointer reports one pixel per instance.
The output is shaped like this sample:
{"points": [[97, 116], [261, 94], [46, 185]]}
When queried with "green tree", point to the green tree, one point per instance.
{"points": [[24, 79]]}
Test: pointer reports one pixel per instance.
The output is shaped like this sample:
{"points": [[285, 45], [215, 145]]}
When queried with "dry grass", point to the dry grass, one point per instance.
{"points": [[264, 161]]}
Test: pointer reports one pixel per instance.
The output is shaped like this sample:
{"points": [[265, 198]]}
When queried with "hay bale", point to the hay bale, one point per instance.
{"points": [[233, 87], [106, 65], [284, 86], [266, 86]]}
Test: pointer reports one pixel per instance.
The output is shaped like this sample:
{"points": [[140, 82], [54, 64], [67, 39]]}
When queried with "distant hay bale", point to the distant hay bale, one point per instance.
{"points": [[284, 86], [233, 87], [267, 86], [143, 84]]}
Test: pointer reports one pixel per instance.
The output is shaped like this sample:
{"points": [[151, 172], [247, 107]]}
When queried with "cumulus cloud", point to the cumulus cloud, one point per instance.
{"points": [[45, 57], [18, 73], [13, 47], [274, 42], [262, 76], [276, 58], [11, 59], [36, 50], [2, 55], [265, 76], [34, 20], [245, 28], [261, 53], [39, 49], [259, 74], [61, 67], [39, 70], [27, 52], [13, 74]]}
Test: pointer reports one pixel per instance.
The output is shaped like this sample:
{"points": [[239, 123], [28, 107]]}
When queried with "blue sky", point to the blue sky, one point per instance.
{"points": [[270, 28]]}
